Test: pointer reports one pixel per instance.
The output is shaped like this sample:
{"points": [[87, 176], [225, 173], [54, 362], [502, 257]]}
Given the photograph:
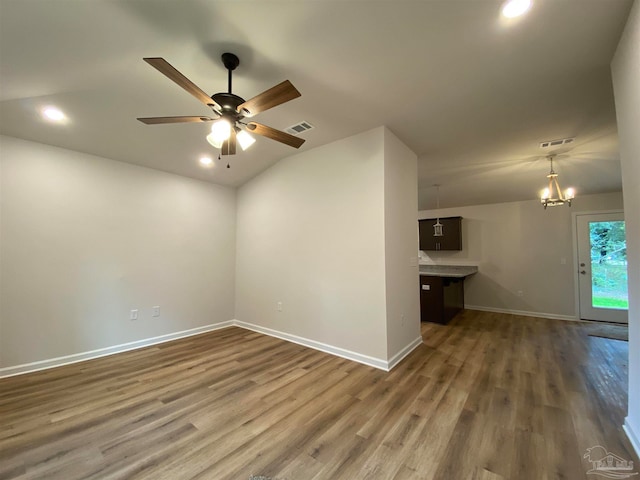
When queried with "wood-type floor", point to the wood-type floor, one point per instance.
{"points": [[487, 397]]}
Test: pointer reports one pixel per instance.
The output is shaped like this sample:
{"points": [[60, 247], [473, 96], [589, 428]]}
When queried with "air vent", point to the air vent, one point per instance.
{"points": [[299, 128], [556, 143]]}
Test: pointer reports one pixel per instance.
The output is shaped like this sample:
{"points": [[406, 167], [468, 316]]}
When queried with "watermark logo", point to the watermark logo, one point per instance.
{"points": [[608, 464]]}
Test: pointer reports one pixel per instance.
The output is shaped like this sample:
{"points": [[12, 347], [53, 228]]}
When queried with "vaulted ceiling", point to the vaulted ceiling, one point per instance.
{"points": [[470, 92]]}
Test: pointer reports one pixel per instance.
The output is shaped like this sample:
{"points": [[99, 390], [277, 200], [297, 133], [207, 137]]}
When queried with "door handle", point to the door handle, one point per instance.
{"points": [[583, 272], [582, 264]]}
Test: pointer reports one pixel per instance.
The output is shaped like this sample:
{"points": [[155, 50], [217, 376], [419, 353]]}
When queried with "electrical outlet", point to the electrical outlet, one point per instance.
{"points": [[133, 315], [520, 293], [279, 306], [402, 320], [155, 311]]}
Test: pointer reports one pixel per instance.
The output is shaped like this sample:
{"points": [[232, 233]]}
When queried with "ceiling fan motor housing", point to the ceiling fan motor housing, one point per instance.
{"points": [[229, 103]]}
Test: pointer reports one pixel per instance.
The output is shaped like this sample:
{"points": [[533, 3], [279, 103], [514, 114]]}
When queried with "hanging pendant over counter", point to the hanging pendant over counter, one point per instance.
{"points": [[437, 227]]}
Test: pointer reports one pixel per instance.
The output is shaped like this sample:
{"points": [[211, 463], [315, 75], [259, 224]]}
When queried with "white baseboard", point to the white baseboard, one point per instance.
{"points": [[632, 435], [323, 347], [103, 352], [523, 313], [398, 357]]}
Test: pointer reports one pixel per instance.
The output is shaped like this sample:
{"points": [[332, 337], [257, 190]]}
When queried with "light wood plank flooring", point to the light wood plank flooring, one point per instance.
{"points": [[488, 397]]}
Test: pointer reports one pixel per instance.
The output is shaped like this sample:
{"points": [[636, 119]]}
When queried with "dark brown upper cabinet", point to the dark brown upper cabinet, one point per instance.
{"points": [[451, 238]]}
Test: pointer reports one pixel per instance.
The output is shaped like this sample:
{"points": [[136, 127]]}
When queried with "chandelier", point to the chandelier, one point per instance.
{"points": [[552, 196]]}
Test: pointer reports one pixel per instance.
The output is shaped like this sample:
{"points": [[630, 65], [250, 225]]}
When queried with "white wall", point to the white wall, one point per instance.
{"points": [[519, 246], [625, 68], [85, 239], [310, 234], [401, 244]]}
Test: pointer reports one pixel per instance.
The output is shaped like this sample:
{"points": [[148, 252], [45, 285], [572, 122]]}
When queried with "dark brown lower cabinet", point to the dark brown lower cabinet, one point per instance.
{"points": [[441, 298]]}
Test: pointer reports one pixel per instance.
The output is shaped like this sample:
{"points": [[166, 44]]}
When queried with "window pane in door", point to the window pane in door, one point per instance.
{"points": [[608, 265]]}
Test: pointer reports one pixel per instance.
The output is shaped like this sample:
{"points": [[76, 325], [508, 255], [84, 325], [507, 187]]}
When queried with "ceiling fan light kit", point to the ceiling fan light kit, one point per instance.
{"points": [[220, 131], [244, 139], [552, 196], [228, 127]]}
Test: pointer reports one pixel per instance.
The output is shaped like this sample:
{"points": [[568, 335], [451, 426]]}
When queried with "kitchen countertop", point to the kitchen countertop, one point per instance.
{"points": [[451, 271]]}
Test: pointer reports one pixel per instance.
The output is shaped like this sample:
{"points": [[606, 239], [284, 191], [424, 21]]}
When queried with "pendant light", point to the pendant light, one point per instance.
{"points": [[437, 227]]}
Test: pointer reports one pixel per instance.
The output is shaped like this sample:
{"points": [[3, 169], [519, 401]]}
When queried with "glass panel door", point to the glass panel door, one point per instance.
{"points": [[602, 267]]}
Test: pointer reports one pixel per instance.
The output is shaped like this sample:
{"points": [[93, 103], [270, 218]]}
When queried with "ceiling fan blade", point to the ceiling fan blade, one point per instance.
{"points": [[229, 145], [167, 69], [273, 97], [277, 135], [161, 120]]}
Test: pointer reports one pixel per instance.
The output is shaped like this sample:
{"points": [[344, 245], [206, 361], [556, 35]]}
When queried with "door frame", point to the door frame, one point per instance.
{"points": [[576, 261]]}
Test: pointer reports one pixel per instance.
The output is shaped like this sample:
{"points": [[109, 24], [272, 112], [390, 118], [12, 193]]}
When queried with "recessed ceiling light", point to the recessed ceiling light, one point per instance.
{"points": [[53, 114], [206, 161], [515, 8]]}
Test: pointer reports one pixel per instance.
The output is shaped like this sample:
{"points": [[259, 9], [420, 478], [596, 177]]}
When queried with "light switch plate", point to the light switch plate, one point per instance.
{"points": [[155, 312]]}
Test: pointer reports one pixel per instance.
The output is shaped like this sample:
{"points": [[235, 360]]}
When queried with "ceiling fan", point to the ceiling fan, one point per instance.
{"points": [[229, 109]]}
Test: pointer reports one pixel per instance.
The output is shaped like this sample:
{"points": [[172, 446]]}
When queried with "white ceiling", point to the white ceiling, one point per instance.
{"points": [[470, 93]]}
